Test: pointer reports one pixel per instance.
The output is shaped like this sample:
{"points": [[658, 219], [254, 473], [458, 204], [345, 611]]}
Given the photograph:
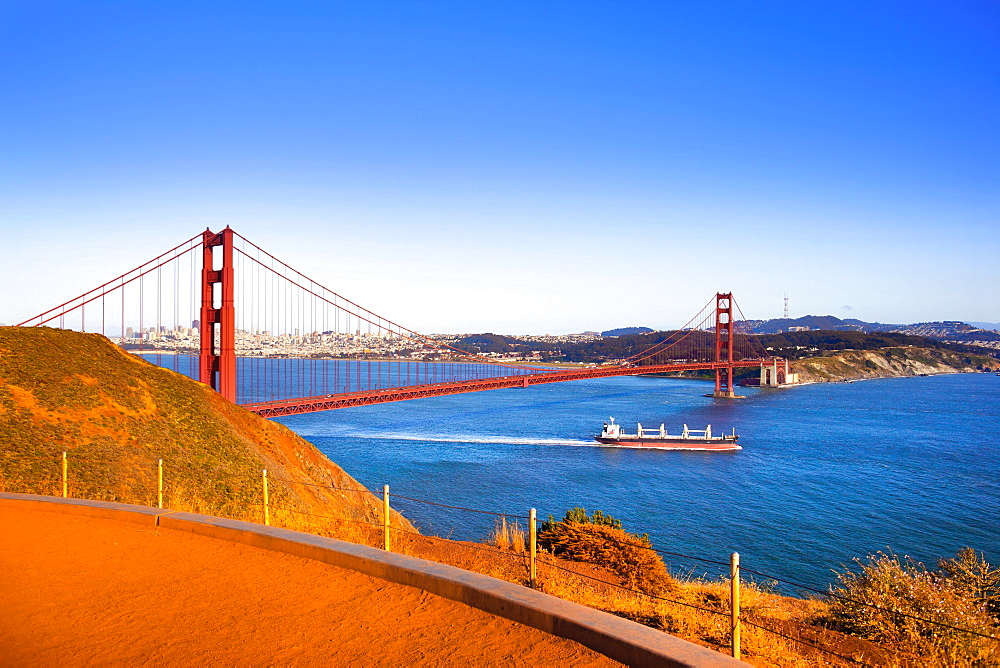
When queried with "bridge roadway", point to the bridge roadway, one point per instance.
{"points": [[381, 396]]}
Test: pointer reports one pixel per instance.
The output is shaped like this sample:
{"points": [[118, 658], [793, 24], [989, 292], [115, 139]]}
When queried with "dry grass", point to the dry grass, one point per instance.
{"points": [[695, 610], [508, 536], [888, 598]]}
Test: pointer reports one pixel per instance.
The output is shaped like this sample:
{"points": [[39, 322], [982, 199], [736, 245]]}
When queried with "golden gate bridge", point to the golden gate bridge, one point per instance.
{"points": [[223, 311]]}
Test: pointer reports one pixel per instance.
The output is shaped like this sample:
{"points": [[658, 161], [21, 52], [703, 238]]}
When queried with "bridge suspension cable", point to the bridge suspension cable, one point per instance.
{"points": [[329, 345], [268, 336]]}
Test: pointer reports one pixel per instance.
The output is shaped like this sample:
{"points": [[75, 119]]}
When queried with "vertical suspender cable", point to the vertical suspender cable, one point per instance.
{"points": [[142, 303], [176, 299], [159, 301]]}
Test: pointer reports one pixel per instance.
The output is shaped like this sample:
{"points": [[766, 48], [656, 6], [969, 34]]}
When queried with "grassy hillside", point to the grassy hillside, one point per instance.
{"points": [[116, 415], [889, 363]]}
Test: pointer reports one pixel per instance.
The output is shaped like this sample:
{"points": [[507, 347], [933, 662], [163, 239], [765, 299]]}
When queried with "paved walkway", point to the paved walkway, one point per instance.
{"points": [[84, 591]]}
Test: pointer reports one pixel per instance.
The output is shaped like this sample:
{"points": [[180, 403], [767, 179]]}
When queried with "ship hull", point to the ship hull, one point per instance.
{"points": [[719, 444]]}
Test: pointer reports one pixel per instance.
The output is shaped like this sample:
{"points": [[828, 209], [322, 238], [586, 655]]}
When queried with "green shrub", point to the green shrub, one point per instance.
{"points": [[600, 539], [578, 515]]}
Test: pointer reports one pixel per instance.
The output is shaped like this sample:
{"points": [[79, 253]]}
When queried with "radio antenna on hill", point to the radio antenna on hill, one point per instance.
{"points": [[786, 306]]}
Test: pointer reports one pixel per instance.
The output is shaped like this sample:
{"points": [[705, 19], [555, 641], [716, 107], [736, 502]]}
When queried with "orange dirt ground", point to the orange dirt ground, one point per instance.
{"points": [[83, 591]]}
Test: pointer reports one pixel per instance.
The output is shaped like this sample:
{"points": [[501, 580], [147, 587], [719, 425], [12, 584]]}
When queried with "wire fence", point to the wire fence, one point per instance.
{"points": [[517, 547], [825, 650], [468, 510]]}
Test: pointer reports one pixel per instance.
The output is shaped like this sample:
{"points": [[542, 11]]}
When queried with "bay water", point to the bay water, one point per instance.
{"points": [[828, 472]]}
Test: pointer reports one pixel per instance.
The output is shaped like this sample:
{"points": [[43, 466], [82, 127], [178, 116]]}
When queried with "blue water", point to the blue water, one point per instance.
{"points": [[828, 472], [267, 379]]}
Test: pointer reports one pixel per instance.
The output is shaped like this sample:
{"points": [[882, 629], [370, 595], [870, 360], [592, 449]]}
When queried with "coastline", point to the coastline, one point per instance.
{"points": [[855, 365]]}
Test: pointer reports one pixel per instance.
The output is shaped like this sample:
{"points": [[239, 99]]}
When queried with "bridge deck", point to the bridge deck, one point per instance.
{"points": [[301, 405]]}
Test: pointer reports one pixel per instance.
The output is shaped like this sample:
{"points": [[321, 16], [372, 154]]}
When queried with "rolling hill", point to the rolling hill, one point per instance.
{"points": [[116, 415]]}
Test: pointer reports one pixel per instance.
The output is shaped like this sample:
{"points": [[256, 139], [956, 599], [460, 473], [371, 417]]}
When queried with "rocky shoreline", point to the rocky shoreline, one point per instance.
{"points": [[889, 363]]}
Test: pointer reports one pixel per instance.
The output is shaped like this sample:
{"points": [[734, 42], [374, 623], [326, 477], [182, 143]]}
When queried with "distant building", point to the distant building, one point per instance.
{"points": [[774, 375], [799, 329]]}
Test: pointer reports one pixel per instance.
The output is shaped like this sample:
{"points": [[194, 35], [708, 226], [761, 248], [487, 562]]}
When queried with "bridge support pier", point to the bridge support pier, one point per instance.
{"points": [[217, 327], [775, 376]]}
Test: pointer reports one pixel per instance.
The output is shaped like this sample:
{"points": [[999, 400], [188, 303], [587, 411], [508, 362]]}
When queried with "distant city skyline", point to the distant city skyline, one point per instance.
{"points": [[519, 168]]}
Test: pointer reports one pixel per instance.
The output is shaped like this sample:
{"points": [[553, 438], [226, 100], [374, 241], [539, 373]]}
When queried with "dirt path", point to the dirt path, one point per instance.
{"points": [[82, 591]]}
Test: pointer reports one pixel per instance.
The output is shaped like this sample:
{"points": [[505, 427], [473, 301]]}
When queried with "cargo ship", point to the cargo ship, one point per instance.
{"points": [[659, 439]]}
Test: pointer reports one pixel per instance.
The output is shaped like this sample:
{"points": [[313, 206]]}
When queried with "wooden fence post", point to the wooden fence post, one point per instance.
{"points": [[532, 544], [159, 484], [65, 487], [267, 510], [734, 583], [386, 543]]}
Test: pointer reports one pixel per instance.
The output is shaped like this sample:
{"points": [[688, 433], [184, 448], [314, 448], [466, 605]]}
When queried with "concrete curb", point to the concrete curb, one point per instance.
{"points": [[620, 639]]}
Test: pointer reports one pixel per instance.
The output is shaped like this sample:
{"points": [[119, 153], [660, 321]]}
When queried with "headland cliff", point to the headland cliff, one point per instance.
{"points": [[894, 362], [116, 415]]}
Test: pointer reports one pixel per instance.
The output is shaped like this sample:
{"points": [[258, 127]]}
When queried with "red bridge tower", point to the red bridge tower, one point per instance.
{"points": [[724, 345], [217, 360]]}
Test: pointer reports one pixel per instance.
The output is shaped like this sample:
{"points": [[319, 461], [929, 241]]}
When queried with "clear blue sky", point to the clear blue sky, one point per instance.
{"points": [[515, 166]]}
